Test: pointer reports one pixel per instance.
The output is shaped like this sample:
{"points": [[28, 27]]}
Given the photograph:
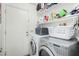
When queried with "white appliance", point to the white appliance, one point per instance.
{"points": [[56, 47], [35, 43], [77, 34]]}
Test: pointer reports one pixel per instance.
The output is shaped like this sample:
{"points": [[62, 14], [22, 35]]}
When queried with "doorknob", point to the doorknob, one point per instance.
{"points": [[27, 33]]}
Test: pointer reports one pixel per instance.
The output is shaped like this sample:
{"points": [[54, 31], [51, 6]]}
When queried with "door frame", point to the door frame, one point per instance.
{"points": [[3, 9]]}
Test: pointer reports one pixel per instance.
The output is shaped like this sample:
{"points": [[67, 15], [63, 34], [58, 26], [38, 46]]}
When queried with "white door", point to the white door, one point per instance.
{"points": [[17, 42]]}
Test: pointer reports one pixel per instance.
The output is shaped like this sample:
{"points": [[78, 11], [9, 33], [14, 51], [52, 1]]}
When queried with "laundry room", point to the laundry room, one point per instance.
{"points": [[39, 29]]}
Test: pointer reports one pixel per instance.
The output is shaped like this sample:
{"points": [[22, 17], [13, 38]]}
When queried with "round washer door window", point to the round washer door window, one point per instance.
{"points": [[45, 51], [33, 47]]}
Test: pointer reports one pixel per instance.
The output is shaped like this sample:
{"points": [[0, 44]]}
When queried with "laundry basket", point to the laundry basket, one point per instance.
{"points": [[64, 32]]}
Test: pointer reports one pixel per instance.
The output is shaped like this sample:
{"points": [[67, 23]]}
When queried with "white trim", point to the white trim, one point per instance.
{"points": [[3, 7], [46, 49]]}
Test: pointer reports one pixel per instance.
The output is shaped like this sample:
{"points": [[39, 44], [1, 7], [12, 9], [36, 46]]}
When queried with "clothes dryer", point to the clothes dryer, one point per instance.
{"points": [[57, 47]]}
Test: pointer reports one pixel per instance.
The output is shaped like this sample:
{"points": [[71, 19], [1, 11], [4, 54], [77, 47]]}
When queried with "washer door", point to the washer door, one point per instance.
{"points": [[33, 47], [45, 51]]}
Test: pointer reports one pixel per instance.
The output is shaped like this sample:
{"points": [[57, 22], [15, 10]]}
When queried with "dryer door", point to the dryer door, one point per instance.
{"points": [[45, 51], [33, 47]]}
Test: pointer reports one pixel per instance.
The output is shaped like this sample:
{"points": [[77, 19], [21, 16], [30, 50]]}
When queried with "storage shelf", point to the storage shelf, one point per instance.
{"points": [[60, 19]]}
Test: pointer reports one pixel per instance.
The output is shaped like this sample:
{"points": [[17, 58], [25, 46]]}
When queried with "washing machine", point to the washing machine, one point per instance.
{"points": [[77, 34], [35, 39], [50, 46]]}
